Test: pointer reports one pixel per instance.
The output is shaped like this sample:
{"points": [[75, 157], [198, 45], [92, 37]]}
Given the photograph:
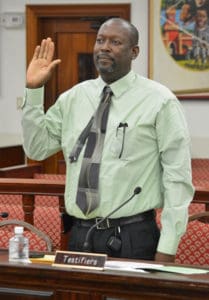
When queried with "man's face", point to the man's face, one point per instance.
{"points": [[112, 51]]}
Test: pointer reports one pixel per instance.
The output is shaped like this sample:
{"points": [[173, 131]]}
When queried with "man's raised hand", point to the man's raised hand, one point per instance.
{"points": [[42, 64]]}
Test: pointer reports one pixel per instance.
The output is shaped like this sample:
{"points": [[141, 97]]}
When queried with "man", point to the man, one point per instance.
{"points": [[146, 145]]}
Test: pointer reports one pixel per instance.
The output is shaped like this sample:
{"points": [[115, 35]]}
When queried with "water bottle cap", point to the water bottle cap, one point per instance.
{"points": [[18, 229]]}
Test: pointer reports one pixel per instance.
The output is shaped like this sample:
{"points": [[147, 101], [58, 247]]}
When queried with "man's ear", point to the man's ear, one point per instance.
{"points": [[135, 52]]}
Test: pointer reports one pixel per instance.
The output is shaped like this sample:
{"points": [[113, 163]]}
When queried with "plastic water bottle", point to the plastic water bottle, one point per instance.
{"points": [[19, 246]]}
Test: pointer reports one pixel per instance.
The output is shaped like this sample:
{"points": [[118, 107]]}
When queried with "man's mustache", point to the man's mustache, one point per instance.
{"points": [[104, 56]]}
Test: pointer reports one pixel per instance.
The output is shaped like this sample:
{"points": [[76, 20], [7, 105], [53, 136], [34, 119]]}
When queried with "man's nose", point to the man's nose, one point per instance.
{"points": [[105, 46]]}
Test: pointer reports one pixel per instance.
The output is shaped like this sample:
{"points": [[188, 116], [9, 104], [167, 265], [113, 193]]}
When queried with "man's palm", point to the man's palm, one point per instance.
{"points": [[42, 64]]}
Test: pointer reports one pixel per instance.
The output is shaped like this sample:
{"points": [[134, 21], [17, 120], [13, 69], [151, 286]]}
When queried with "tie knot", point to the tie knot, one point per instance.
{"points": [[106, 95], [107, 90]]}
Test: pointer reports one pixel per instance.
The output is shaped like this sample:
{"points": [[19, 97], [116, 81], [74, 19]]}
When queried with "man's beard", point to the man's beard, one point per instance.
{"points": [[105, 69]]}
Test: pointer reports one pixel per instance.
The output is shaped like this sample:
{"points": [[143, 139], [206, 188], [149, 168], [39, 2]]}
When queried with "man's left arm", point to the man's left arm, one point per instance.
{"points": [[174, 148]]}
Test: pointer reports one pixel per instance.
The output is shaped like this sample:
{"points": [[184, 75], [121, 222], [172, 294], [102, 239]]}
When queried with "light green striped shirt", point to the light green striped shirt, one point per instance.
{"points": [[156, 153]]}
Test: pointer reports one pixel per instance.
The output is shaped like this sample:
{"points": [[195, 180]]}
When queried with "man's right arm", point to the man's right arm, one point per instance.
{"points": [[40, 141], [41, 134]]}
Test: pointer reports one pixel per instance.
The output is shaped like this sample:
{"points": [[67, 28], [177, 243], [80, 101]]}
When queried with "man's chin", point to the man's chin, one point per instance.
{"points": [[104, 70]]}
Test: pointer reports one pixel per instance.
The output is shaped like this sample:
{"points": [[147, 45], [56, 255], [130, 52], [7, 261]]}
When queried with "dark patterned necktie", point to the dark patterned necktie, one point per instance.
{"points": [[87, 195]]}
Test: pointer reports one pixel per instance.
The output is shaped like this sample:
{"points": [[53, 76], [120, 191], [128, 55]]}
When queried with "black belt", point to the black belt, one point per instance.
{"points": [[108, 223]]}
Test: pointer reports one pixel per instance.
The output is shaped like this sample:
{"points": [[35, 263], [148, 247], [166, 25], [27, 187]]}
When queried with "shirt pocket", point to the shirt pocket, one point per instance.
{"points": [[125, 143]]}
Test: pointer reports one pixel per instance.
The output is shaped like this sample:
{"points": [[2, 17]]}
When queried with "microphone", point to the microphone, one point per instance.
{"points": [[86, 245], [4, 214]]}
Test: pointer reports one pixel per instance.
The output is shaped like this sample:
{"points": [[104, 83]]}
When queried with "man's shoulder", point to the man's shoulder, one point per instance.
{"points": [[154, 87]]}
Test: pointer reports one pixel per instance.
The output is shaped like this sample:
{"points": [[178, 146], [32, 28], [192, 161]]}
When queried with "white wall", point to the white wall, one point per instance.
{"points": [[13, 64]]}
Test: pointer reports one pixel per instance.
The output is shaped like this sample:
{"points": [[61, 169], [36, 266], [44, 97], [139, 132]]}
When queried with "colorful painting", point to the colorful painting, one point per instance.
{"points": [[185, 32], [179, 40]]}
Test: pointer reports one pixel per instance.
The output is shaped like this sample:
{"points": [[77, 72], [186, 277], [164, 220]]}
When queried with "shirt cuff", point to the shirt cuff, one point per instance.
{"points": [[33, 96], [168, 245]]}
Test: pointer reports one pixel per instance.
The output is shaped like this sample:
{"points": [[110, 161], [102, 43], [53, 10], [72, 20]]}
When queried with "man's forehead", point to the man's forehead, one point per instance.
{"points": [[113, 28]]}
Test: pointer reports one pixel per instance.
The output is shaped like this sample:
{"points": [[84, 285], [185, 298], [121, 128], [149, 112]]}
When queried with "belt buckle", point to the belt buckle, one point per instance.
{"points": [[104, 224]]}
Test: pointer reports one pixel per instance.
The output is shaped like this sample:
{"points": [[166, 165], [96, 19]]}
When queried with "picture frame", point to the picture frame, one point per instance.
{"points": [[169, 60]]}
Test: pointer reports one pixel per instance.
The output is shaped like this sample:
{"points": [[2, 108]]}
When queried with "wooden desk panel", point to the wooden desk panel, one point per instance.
{"points": [[48, 282], [21, 171], [11, 155]]}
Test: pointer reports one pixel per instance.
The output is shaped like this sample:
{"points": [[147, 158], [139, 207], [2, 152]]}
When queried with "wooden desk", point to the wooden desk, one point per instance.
{"points": [[40, 281]]}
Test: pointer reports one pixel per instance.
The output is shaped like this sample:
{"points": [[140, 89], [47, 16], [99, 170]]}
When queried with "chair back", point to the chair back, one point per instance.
{"points": [[38, 240]]}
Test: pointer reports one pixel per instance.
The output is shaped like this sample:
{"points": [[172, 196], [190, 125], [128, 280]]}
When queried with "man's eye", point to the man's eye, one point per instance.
{"points": [[99, 41], [116, 42]]}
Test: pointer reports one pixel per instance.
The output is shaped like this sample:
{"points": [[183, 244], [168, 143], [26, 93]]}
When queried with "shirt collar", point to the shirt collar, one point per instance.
{"points": [[120, 86]]}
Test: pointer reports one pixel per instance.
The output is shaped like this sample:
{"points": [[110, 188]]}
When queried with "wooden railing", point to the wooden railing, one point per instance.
{"points": [[29, 188]]}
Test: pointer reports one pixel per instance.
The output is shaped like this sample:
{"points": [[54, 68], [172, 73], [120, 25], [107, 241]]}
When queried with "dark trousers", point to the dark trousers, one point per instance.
{"points": [[136, 240]]}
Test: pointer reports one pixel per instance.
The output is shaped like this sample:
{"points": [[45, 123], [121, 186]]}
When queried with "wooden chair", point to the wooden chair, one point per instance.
{"points": [[46, 211], [193, 248], [40, 202], [194, 245], [38, 240]]}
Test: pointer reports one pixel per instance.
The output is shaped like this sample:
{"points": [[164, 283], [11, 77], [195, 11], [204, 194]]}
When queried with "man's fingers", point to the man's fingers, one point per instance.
{"points": [[55, 63], [46, 50], [36, 52], [42, 49], [42, 65], [50, 51]]}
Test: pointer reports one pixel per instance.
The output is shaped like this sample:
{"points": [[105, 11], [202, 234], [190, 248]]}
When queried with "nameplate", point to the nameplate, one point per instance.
{"points": [[82, 260]]}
